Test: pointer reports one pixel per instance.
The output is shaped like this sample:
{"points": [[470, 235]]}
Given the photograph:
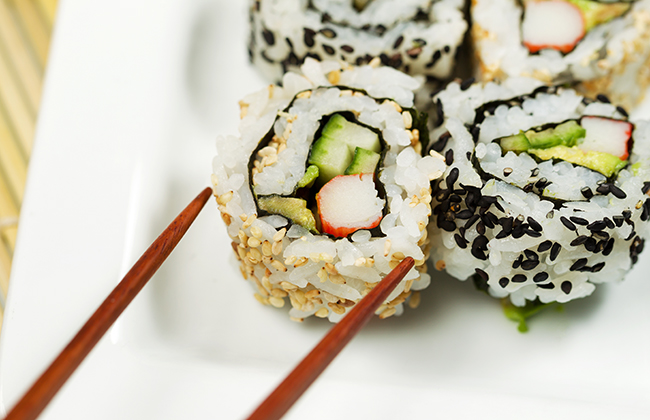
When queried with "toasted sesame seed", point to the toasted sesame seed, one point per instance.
{"points": [[300, 262], [279, 293], [414, 300], [322, 275], [279, 235], [387, 313], [278, 266], [289, 287], [261, 299], [254, 242], [336, 308], [225, 198], [276, 248], [266, 249], [440, 265], [322, 313], [334, 77]]}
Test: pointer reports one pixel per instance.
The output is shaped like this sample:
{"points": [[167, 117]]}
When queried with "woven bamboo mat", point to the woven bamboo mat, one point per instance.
{"points": [[25, 29]]}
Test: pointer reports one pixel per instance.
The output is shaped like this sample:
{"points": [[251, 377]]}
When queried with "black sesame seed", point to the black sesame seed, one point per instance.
{"points": [[578, 264], [548, 286], [618, 220], [517, 263], [600, 235], [544, 246], [579, 220], [434, 59], [590, 245], [596, 268], [462, 243], [507, 171], [587, 193], [329, 50], [480, 242], [464, 214], [597, 225], [555, 251], [534, 172], [617, 192], [450, 216], [452, 178], [603, 189], [503, 282], [441, 143], [540, 277], [506, 223], [482, 273], [519, 278], [622, 111], [471, 221], [447, 49], [532, 233], [608, 247], [566, 287], [645, 188], [467, 83], [602, 98], [541, 183], [529, 264], [309, 37], [347, 48], [449, 157], [529, 187], [608, 222], [533, 224], [627, 214], [398, 42], [502, 234], [479, 254], [531, 255], [518, 232], [567, 223], [268, 36]]}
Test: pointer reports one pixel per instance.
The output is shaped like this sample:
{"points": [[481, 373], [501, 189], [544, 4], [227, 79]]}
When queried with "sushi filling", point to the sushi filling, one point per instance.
{"points": [[565, 161], [339, 191], [562, 24]]}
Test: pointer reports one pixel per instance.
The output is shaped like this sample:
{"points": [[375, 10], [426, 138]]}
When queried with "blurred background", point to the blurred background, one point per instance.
{"points": [[25, 31]]}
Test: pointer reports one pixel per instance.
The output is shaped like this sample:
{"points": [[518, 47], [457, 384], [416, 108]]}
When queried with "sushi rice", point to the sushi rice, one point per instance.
{"points": [[286, 263], [528, 229]]}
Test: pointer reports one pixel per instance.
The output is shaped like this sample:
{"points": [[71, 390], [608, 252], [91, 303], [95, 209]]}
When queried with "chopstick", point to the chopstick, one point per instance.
{"points": [[297, 382], [43, 390]]}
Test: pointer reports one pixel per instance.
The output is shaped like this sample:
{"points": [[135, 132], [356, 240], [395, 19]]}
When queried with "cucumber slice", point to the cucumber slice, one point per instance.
{"points": [[294, 209], [364, 162], [331, 156], [354, 135]]}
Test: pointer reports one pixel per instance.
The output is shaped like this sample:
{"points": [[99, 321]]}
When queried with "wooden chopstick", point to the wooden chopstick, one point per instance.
{"points": [[297, 382], [43, 390]]}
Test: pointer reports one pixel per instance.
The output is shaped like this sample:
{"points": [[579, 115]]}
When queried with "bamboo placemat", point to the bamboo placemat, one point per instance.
{"points": [[25, 29]]}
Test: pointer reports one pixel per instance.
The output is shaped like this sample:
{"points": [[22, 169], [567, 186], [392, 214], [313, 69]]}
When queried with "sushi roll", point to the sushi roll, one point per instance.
{"points": [[545, 195], [601, 46], [418, 37], [325, 189]]}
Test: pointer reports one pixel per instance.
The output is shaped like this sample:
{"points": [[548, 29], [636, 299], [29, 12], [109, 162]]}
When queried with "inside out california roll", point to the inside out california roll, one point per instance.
{"points": [[545, 195], [326, 190], [419, 37], [603, 46]]}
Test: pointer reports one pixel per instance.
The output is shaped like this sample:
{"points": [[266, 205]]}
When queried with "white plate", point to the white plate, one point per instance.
{"points": [[136, 93]]}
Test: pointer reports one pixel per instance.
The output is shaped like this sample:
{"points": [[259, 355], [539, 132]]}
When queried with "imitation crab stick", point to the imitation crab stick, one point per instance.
{"points": [[348, 203]]}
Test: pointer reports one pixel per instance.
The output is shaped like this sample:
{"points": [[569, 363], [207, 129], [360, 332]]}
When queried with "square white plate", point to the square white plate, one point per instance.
{"points": [[136, 94]]}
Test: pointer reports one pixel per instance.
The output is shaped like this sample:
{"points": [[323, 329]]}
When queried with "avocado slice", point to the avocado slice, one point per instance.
{"points": [[331, 157], [516, 143], [354, 135], [295, 209], [566, 134], [604, 163], [596, 13], [310, 176], [364, 162]]}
